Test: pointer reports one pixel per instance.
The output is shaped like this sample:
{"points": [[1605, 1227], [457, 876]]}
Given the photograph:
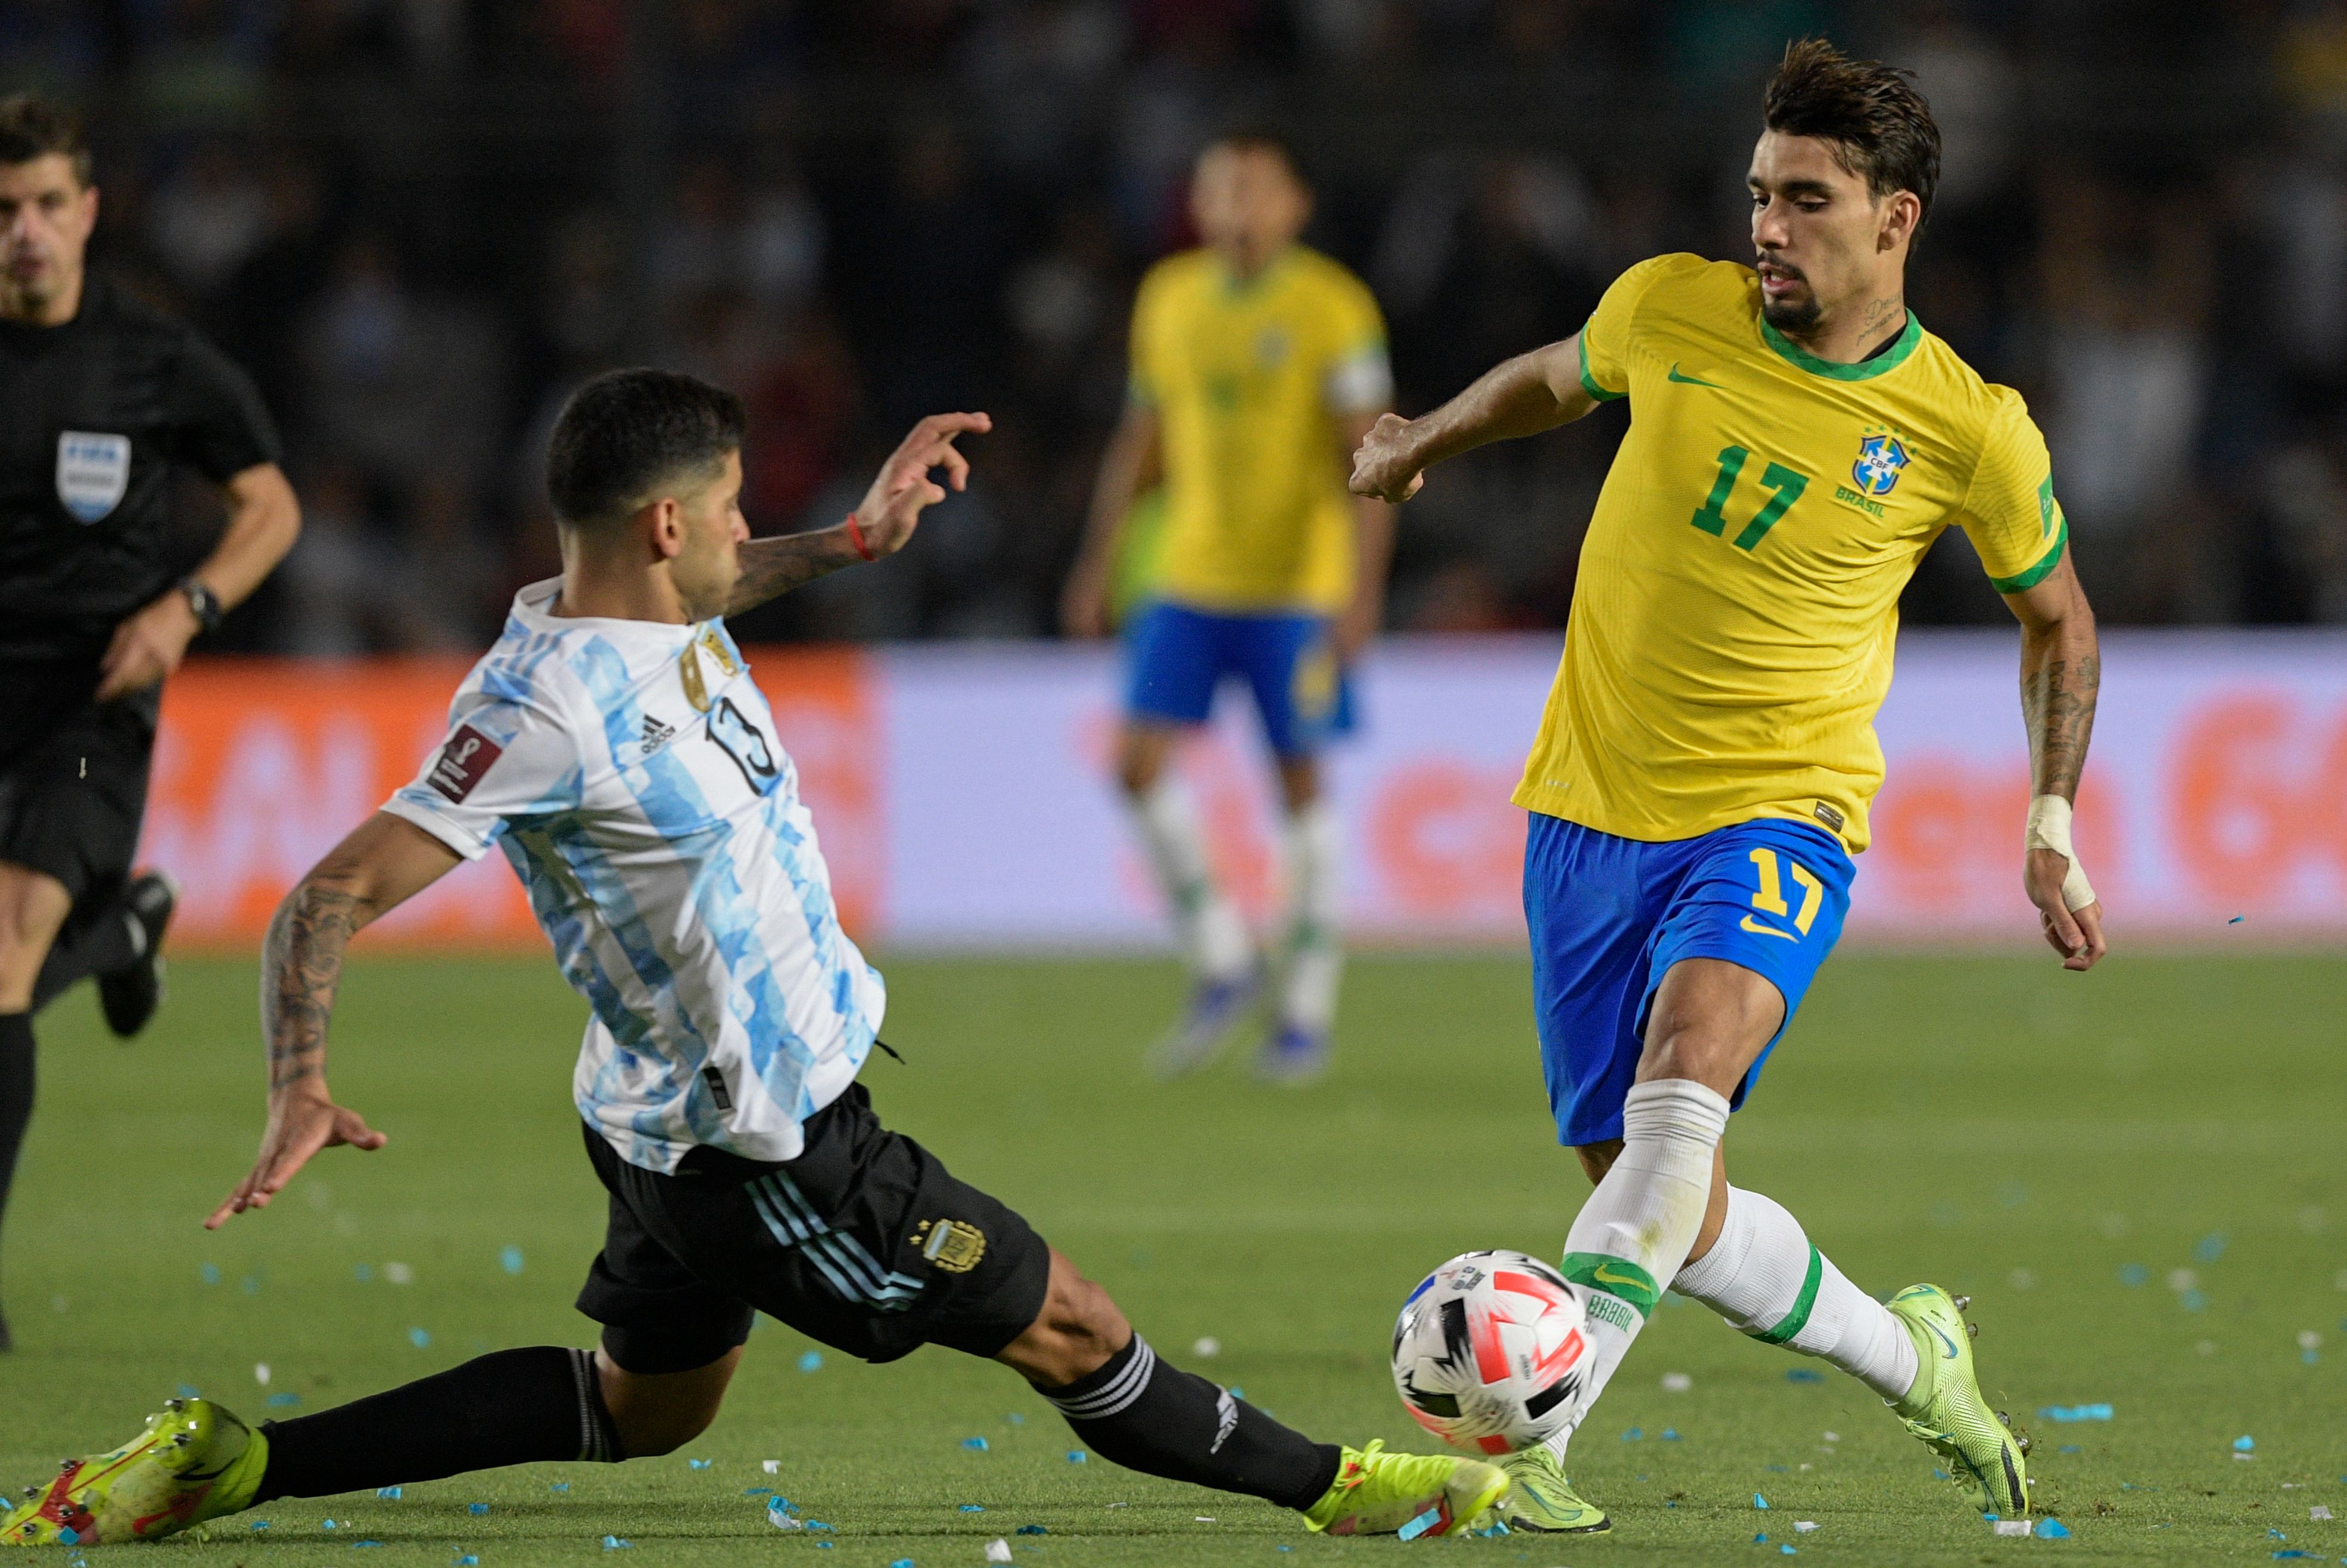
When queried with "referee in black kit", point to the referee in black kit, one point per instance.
{"points": [[100, 399]]}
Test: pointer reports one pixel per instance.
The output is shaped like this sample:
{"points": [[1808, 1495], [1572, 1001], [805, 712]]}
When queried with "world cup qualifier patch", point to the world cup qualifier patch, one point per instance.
{"points": [[953, 1245], [463, 760]]}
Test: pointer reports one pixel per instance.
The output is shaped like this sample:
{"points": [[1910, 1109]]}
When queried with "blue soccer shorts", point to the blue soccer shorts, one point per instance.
{"points": [[1609, 917], [1176, 657]]}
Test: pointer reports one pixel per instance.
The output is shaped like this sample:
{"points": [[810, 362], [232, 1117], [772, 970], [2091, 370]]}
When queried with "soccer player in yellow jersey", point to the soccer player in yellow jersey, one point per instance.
{"points": [[1701, 779], [1257, 364]]}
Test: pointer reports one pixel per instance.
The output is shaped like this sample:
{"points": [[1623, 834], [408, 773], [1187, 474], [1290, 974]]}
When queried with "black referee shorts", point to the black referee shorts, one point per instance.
{"points": [[73, 774], [863, 1242]]}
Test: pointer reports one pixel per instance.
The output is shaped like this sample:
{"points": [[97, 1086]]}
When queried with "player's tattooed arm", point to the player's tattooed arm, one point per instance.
{"points": [[881, 523], [773, 567], [2057, 703], [2061, 674], [384, 862]]}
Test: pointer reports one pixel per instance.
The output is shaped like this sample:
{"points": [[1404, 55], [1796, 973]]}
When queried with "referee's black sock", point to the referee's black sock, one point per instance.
{"points": [[107, 941], [15, 1105], [1161, 1420], [515, 1407]]}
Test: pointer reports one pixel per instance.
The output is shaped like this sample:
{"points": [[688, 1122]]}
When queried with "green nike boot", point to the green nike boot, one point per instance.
{"points": [[1986, 1458], [194, 1461], [1540, 1497], [1409, 1495]]}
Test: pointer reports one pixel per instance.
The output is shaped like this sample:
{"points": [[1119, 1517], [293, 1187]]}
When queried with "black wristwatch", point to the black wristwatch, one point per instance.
{"points": [[203, 601]]}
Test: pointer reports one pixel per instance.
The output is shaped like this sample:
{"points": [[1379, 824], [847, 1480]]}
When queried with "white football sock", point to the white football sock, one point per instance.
{"points": [[1315, 954], [1763, 1276], [1212, 934], [1636, 1228]]}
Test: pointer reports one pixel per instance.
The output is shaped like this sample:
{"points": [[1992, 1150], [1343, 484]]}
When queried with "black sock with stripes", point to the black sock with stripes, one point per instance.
{"points": [[1161, 1420], [515, 1407]]}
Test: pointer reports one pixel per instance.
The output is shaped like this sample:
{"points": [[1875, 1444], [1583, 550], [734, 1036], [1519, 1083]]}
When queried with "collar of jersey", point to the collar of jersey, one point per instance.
{"points": [[1890, 359], [534, 608], [1238, 288]]}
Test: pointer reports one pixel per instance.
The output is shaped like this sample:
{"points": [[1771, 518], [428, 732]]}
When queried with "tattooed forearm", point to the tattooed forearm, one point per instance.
{"points": [[2058, 686], [300, 967], [776, 566]]}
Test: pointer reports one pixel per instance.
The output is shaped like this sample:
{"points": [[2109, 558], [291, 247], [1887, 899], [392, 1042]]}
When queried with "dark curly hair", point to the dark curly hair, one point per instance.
{"points": [[33, 126], [1869, 114]]}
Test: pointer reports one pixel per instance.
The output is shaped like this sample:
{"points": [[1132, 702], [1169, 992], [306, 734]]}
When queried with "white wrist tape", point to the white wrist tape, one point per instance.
{"points": [[2049, 828]]}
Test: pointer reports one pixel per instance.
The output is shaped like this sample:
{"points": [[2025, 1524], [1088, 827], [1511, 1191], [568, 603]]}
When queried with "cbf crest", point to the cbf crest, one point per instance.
{"points": [[1881, 456], [93, 471]]}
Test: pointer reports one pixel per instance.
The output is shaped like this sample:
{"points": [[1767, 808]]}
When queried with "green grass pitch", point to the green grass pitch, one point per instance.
{"points": [[2040, 1139]]}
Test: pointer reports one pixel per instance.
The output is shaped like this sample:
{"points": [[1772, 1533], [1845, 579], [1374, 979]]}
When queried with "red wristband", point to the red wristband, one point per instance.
{"points": [[856, 537]]}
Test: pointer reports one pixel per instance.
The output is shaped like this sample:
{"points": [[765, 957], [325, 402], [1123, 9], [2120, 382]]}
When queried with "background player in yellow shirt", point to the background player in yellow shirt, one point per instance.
{"points": [[1704, 767], [1257, 364]]}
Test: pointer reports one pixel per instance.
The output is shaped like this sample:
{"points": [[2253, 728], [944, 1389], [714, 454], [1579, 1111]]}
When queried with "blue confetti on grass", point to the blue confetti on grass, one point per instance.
{"points": [[816, 1524], [1039, 1530], [466, 1561], [1804, 1375], [188, 1391], [2072, 1449], [419, 1337], [973, 1508], [356, 1543], [476, 1509], [2051, 1530], [757, 1491], [363, 1273], [1015, 1418], [2244, 1444], [613, 1543], [1758, 1501], [2073, 1412], [811, 1362], [2194, 1301], [250, 1285], [1787, 1549], [392, 1493], [1076, 1456], [975, 1445], [281, 1401], [699, 1463], [260, 1524], [2210, 1247], [902, 1562], [2133, 1274], [1634, 1435], [211, 1274], [511, 1260], [1670, 1434], [559, 1486]]}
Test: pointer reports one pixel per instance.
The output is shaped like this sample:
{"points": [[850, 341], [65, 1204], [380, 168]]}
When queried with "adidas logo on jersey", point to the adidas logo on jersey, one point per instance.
{"points": [[656, 734]]}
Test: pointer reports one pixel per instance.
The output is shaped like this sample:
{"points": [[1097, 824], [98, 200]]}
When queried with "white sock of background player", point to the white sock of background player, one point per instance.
{"points": [[1212, 933], [1314, 954]]}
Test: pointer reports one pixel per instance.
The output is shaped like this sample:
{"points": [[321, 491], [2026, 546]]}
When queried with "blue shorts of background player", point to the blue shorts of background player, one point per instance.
{"points": [[1176, 657], [1610, 915]]}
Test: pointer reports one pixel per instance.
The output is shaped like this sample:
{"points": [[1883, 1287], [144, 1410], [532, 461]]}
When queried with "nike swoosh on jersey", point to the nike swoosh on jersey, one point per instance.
{"points": [[1752, 925], [1692, 380]]}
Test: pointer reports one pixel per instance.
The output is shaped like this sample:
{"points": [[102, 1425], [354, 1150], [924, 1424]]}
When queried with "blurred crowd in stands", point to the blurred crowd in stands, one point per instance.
{"points": [[420, 222]]}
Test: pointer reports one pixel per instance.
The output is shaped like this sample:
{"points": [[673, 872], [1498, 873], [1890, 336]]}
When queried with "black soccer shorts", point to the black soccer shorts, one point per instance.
{"points": [[864, 1242], [73, 774]]}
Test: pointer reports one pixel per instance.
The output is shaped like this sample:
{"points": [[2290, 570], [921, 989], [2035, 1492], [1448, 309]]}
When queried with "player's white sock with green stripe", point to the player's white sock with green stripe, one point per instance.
{"points": [[1763, 1276], [1315, 956], [1212, 934], [1638, 1226]]}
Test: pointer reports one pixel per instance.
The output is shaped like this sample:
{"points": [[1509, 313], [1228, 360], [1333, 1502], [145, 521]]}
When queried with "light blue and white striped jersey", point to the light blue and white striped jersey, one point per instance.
{"points": [[631, 771]]}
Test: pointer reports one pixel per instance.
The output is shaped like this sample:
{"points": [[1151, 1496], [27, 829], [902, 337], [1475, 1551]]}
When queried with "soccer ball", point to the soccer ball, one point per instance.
{"points": [[1489, 1351]]}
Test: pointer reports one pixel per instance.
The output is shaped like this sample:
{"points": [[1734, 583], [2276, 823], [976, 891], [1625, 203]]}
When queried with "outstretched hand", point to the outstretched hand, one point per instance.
{"points": [[298, 1128], [1383, 464], [891, 508]]}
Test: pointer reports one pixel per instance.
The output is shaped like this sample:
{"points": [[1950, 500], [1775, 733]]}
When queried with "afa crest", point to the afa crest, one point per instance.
{"points": [[1881, 458]]}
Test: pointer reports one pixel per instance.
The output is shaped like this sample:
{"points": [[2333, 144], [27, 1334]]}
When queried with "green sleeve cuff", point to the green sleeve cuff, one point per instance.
{"points": [[1589, 382], [2021, 582]]}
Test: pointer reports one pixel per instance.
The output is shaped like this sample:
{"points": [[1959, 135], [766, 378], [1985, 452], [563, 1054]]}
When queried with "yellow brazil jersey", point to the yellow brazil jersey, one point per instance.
{"points": [[1732, 624], [1248, 380]]}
